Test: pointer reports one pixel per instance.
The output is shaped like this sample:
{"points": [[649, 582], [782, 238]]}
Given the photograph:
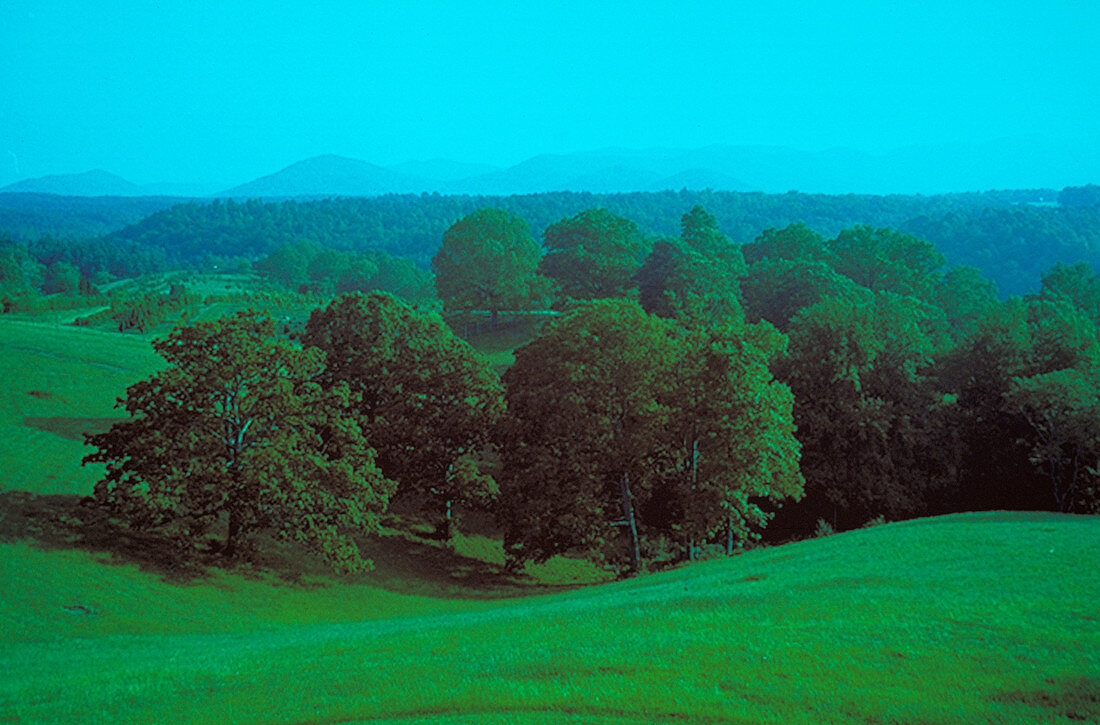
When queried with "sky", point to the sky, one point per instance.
{"points": [[222, 92]]}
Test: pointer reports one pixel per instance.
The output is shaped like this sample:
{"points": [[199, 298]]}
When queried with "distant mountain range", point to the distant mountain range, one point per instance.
{"points": [[101, 183], [1006, 164]]}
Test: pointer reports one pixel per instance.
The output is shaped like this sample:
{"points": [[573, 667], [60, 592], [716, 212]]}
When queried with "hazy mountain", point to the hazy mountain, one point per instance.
{"points": [[331, 175], [1021, 163], [90, 183], [442, 169]]}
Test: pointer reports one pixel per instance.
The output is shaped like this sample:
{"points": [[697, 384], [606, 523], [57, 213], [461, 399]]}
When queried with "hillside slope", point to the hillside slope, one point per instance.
{"points": [[967, 618]]}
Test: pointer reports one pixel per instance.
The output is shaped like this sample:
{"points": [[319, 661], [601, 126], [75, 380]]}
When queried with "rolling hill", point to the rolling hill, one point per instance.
{"points": [[967, 618], [988, 617], [330, 175]]}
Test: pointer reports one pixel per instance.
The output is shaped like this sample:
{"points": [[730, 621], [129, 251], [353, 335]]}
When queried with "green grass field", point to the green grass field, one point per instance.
{"points": [[967, 618], [991, 617], [60, 382]]}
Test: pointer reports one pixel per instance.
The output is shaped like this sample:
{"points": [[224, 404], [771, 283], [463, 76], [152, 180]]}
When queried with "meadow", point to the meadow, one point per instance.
{"points": [[988, 617]]}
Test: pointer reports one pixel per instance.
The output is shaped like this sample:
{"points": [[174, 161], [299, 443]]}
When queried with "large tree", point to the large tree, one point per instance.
{"points": [[1063, 411], [871, 423], [693, 279], [581, 433], [886, 260], [488, 261], [426, 399], [594, 254], [235, 433], [623, 429], [729, 437]]}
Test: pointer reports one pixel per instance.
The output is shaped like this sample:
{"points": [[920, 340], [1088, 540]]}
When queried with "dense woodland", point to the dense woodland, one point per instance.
{"points": [[690, 390], [1008, 235]]}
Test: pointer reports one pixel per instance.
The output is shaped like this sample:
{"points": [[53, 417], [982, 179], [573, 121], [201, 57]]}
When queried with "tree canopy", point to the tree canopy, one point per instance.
{"points": [[593, 255], [235, 433], [423, 396], [488, 261], [623, 430]]}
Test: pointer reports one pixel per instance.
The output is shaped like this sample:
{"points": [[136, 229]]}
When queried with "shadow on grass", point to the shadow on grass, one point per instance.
{"points": [[67, 522], [407, 564], [404, 562], [1076, 699], [70, 428]]}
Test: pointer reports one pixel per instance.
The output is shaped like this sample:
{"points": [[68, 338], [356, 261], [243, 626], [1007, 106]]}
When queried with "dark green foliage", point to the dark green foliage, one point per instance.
{"points": [[148, 309], [426, 400], [20, 276], [1062, 409], [776, 289], [678, 283], [593, 255], [308, 267], [730, 443], [1078, 284], [32, 216], [996, 232], [885, 260], [488, 261], [623, 430], [1013, 246], [695, 279], [793, 242], [236, 432], [965, 296], [1087, 195], [62, 278], [580, 438], [873, 428]]}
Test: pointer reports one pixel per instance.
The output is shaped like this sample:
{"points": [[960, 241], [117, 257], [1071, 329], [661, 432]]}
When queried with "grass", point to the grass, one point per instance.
{"points": [[59, 382], [966, 618], [990, 617]]}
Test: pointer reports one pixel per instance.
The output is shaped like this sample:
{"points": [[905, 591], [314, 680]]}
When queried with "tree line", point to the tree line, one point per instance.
{"points": [[690, 392], [200, 234]]}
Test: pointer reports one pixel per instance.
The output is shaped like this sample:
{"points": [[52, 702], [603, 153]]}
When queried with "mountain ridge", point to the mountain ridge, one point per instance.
{"points": [[916, 169]]}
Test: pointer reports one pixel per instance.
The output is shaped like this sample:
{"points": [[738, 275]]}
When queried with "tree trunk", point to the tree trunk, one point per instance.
{"points": [[729, 536], [233, 534], [631, 524], [445, 529]]}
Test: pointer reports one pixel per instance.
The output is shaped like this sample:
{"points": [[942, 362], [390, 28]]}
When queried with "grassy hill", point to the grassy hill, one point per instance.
{"points": [[988, 617], [967, 618], [59, 383]]}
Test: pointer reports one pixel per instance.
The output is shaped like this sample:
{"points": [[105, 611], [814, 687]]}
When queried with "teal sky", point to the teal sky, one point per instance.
{"points": [[221, 92]]}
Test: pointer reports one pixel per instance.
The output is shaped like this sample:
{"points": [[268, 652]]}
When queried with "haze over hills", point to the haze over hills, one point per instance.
{"points": [[98, 182], [1005, 164], [335, 175]]}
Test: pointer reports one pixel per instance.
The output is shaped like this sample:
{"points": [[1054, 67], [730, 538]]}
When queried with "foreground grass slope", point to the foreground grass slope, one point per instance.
{"points": [[59, 383], [967, 618]]}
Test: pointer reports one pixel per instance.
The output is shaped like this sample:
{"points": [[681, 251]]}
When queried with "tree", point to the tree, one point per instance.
{"points": [[236, 432], [426, 399], [62, 278], [869, 419], [488, 261], [729, 440], [776, 289], [694, 279], [1063, 411], [994, 350], [623, 429], [885, 260], [791, 243], [965, 296], [594, 254], [581, 432]]}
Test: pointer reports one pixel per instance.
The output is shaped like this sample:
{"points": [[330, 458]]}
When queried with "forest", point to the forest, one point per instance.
{"points": [[673, 395]]}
